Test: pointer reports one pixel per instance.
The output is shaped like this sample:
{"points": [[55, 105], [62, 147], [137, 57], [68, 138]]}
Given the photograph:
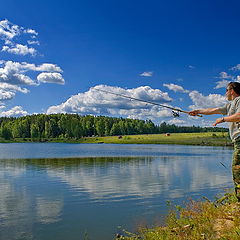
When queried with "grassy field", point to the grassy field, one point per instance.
{"points": [[209, 139], [203, 139]]}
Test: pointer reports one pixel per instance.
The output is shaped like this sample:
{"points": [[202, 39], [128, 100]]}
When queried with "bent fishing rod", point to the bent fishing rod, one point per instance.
{"points": [[175, 111]]}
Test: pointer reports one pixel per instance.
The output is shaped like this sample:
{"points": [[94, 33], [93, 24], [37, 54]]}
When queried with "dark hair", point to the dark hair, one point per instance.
{"points": [[235, 86]]}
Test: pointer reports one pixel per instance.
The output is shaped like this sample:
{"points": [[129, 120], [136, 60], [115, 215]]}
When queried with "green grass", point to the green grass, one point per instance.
{"points": [[207, 139], [204, 139], [196, 221]]}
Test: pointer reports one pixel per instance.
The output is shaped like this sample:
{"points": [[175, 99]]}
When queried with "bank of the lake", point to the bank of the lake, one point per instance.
{"points": [[196, 221], [200, 139]]}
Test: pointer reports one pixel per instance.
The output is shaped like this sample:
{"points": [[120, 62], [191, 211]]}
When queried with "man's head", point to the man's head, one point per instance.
{"points": [[233, 90]]}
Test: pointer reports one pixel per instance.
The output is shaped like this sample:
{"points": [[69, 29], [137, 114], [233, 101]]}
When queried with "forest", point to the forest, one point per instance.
{"points": [[41, 127]]}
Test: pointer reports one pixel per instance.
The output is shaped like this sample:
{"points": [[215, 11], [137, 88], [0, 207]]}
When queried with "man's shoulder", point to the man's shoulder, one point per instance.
{"points": [[236, 100], [235, 103]]}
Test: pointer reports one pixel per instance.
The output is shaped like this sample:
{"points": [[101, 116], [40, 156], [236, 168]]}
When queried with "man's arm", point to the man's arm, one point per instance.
{"points": [[232, 118], [206, 111]]}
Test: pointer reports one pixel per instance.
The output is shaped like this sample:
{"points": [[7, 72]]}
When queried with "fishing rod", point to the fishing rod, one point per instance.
{"points": [[223, 165], [175, 111]]}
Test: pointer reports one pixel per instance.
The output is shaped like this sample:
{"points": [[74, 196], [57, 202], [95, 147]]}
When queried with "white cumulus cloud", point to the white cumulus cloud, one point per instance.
{"points": [[50, 78], [97, 102], [20, 49], [11, 87], [236, 68], [175, 88], [201, 101], [8, 91], [177, 121], [16, 76], [12, 73], [46, 67], [6, 95], [225, 75], [225, 79], [153, 113], [31, 31], [16, 111], [191, 67], [31, 42], [17, 73], [8, 30], [222, 84], [13, 45], [146, 74]]}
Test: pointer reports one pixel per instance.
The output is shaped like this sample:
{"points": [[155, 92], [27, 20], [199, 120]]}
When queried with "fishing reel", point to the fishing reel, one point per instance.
{"points": [[175, 114]]}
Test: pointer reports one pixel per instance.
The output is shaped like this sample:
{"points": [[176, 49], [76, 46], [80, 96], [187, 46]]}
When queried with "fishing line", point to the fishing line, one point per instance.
{"points": [[223, 165], [175, 111]]}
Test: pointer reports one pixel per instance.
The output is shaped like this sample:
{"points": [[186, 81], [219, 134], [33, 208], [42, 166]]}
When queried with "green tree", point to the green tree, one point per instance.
{"points": [[40, 121], [122, 127], [115, 130], [107, 126], [35, 134], [150, 127], [51, 128], [100, 127], [6, 133], [76, 128], [16, 130], [62, 123], [89, 125], [47, 131], [140, 126], [163, 128]]}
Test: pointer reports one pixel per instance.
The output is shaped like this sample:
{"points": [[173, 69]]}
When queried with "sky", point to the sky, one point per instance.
{"points": [[54, 54]]}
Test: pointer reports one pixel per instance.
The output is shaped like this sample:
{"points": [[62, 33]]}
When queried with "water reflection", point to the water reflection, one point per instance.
{"points": [[80, 193], [48, 210], [114, 177], [15, 214], [141, 178]]}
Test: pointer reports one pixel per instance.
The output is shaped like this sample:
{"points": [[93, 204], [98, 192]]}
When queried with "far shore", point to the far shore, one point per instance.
{"points": [[200, 139]]}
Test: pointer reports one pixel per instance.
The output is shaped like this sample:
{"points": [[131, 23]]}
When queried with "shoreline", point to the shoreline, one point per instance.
{"points": [[194, 139], [202, 219]]}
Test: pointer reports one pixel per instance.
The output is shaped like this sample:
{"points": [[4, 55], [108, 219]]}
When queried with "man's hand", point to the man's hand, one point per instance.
{"points": [[218, 120], [194, 112]]}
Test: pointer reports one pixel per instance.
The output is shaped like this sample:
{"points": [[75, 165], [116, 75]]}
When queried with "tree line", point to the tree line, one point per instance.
{"points": [[72, 126]]}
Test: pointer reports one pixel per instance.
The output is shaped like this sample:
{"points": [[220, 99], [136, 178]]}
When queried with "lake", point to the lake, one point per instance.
{"points": [[93, 191]]}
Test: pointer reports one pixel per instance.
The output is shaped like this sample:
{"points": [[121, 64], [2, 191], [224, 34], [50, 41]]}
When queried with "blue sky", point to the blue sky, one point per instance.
{"points": [[53, 54]]}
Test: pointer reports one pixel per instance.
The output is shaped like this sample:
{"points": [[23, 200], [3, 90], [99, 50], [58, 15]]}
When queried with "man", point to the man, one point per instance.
{"points": [[232, 110]]}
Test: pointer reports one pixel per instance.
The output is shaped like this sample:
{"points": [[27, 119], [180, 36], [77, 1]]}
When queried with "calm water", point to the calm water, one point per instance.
{"points": [[65, 191]]}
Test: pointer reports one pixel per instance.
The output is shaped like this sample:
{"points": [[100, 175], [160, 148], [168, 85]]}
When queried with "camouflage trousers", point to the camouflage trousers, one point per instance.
{"points": [[236, 168]]}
